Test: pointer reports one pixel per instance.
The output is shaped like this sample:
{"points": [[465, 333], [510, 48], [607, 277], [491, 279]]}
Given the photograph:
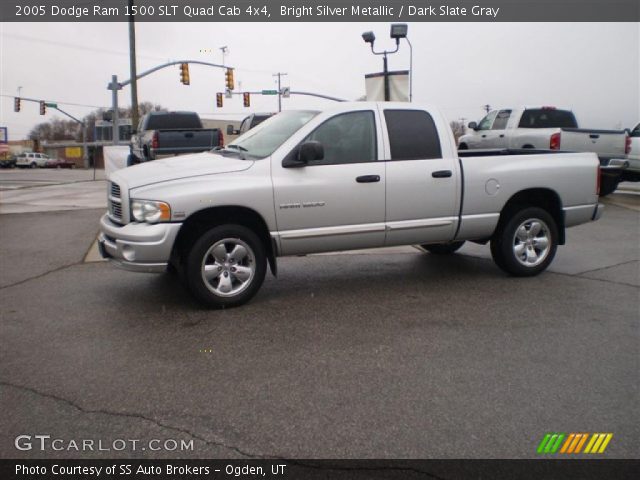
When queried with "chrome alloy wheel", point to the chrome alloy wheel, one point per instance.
{"points": [[228, 267], [531, 242]]}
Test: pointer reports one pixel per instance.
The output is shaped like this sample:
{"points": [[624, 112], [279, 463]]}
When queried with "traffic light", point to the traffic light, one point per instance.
{"points": [[219, 100], [228, 76], [184, 73], [246, 98], [16, 104], [43, 107]]}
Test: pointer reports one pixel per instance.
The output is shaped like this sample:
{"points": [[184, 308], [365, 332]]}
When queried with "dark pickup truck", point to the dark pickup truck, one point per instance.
{"points": [[162, 134]]}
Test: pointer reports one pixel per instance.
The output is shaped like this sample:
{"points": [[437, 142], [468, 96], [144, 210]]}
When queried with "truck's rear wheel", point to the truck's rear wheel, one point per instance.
{"points": [[526, 243], [443, 248], [226, 266]]}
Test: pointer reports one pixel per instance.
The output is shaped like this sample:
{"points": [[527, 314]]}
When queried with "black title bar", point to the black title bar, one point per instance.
{"points": [[320, 11], [275, 469]]}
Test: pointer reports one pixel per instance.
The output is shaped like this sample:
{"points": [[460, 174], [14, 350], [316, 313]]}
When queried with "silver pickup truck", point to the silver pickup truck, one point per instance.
{"points": [[361, 175]]}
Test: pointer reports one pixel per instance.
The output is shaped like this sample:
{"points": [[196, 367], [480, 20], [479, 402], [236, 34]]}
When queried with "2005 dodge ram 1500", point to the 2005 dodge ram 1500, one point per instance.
{"points": [[361, 175]]}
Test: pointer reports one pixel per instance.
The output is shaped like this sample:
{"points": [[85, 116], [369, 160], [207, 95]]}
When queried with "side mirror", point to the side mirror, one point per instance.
{"points": [[473, 125], [309, 151]]}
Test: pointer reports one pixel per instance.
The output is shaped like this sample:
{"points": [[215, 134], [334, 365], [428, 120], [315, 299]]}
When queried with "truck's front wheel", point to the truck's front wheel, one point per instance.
{"points": [[226, 266], [526, 243]]}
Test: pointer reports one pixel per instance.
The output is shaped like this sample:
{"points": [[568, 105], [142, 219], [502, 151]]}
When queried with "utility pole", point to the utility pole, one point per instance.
{"points": [[280, 75], [133, 69]]}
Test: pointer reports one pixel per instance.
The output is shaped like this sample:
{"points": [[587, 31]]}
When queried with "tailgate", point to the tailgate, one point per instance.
{"points": [[606, 143], [185, 140]]}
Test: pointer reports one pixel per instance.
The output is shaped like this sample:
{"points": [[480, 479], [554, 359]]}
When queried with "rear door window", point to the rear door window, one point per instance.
{"points": [[412, 135]]}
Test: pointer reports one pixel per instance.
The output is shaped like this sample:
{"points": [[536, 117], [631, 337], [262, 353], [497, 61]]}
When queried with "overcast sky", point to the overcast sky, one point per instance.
{"points": [[592, 68]]}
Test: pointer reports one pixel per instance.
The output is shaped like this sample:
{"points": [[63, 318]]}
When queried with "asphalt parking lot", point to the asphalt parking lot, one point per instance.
{"points": [[385, 354]]}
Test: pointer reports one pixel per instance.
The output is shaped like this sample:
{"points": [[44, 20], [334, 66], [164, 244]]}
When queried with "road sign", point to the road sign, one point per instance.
{"points": [[269, 92], [228, 93], [51, 105], [286, 92]]}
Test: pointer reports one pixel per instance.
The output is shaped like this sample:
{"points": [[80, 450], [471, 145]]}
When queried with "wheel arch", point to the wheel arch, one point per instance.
{"points": [[202, 220], [544, 198]]}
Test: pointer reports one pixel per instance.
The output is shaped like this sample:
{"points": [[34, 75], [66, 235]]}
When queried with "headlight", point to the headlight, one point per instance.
{"points": [[150, 211]]}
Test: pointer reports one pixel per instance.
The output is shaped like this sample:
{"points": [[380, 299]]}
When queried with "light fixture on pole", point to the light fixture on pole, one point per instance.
{"points": [[398, 31]]}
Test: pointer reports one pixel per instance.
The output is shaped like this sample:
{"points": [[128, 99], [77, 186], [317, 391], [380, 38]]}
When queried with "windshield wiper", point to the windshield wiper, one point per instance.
{"points": [[237, 147], [227, 151]]}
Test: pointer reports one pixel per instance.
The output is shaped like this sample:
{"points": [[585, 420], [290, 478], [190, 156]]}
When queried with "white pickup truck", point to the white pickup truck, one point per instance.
{"points": [[361, 175], [632, 173], [549, 128]]}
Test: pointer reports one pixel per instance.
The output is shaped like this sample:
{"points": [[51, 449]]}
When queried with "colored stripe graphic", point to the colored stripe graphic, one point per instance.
{"points": [[598, 442], [550, 443], [572, 443]]}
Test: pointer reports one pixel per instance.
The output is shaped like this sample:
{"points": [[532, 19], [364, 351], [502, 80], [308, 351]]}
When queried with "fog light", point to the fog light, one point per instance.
{"points": [[128, 253]]}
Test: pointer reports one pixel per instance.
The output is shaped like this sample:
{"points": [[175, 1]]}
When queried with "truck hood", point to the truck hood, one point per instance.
{"points": [[175, 168]]}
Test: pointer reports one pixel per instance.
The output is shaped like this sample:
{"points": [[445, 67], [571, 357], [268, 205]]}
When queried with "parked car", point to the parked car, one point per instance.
{"points": [[163, 134], [9, 162], [549, 128], [361, 175], [632, 173], [59, 163], [32, 160]]}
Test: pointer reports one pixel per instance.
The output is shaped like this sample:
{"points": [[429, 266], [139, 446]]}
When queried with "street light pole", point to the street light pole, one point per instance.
{"points": [[133, 68], [410, 69], [385, 70], [114, 86]]}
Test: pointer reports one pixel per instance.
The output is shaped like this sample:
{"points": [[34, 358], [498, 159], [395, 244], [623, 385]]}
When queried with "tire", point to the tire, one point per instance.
{"points": [[521, 248], [443, 248], [463, 146], [33, 165], [225, 288], [608, 184]]}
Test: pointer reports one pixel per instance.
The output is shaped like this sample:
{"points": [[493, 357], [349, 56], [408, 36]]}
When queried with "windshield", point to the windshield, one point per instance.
{"points": [[263, 140]]}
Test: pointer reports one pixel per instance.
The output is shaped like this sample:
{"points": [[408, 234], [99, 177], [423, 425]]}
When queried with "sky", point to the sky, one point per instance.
{"points": [[592, 68]]}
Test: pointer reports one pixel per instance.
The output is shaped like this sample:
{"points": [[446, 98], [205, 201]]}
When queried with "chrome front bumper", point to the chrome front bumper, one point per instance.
{"points": [[138, 247]]}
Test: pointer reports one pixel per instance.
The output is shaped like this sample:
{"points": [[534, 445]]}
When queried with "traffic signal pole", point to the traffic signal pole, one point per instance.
{"points": [[114, 86]]}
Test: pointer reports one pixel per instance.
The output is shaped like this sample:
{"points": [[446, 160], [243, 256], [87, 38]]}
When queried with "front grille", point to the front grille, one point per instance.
{"points": [[114, 202], [116, 210]]}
